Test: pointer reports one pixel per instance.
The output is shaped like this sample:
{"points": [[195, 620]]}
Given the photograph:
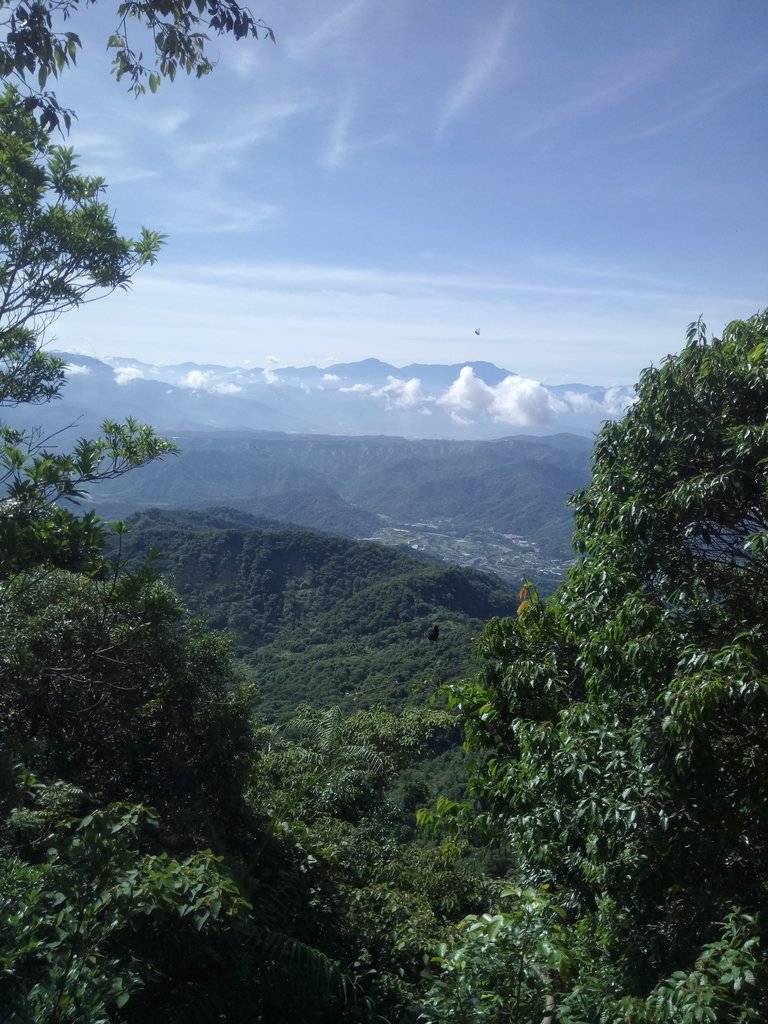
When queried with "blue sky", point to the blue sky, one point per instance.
{"points": [[578, 181]]}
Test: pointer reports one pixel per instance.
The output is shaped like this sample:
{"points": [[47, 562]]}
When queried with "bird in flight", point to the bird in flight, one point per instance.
{"points": [[477, 330], [433, 633]]}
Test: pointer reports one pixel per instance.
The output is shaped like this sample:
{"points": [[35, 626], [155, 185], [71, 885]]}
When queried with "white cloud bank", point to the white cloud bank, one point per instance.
{"points": [[515, 401], [405, 394], [125, 374], [205, 380], [518, 401]]}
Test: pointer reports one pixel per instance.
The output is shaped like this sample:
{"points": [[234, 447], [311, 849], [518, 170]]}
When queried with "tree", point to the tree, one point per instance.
{"points": [[59, 247], [374, 896], [625, 719], [68, 951], [36, 46]]}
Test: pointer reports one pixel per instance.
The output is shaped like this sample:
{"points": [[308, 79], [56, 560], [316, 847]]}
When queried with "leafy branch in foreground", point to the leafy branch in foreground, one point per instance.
{"points": [[37, 46], [59, 248], [65, 951]]}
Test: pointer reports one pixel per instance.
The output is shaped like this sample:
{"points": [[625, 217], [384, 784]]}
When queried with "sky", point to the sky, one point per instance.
{"points": [[577, 182]]}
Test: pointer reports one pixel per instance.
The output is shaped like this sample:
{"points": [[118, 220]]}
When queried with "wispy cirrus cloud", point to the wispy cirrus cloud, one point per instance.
{"points": [[338, 147], [326, 32], [163, 123], [209, 212], [539, 276], [111, 158], [714, 91], [259, 124], [342, 145], [597, 90], [478, 74]]}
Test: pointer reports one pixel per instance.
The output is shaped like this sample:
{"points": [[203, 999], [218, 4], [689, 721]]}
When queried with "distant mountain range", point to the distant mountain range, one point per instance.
{"points": [[424, 455], [474, 400]]}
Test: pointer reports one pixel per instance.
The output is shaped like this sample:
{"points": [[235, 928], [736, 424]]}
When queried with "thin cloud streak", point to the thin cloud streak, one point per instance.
{"points": [[341, 147], [478, 74], [203, 213], [338, 143], [292, 276], [584, 339], [332, 28], [714, 94], [104, 156], [163, 123], [263, 123], [611, 91]]}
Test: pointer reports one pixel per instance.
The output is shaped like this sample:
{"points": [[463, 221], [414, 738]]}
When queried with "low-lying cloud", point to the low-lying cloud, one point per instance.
{"points": [[206, 380], [73, 369], [517, 401], [405, 394], [125, 374], [615, 402]]}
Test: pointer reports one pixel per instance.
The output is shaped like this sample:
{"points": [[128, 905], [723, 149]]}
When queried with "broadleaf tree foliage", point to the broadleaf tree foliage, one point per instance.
{"points": [[59, 248], [39, 43], [625, 720]]}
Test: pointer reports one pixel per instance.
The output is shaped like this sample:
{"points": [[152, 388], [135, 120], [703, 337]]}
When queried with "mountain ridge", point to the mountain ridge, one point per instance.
{"points": [[319, 617], [475, 400]]}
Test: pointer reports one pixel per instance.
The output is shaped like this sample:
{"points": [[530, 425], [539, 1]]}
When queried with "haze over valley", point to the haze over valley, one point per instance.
{"points": [[468, 463]]}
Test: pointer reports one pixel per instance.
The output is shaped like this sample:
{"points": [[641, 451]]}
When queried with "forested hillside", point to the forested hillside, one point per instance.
{"points": [[320, 618], [498, 505], [516, 484]]}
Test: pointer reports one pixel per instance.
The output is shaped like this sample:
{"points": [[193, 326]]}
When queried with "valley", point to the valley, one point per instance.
{"points": [[322, 619], [499, 506], [511, 557]]}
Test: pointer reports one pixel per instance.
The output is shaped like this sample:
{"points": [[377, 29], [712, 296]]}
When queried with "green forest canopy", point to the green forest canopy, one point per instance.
{"points": [[320, 618], [625, 718]]}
